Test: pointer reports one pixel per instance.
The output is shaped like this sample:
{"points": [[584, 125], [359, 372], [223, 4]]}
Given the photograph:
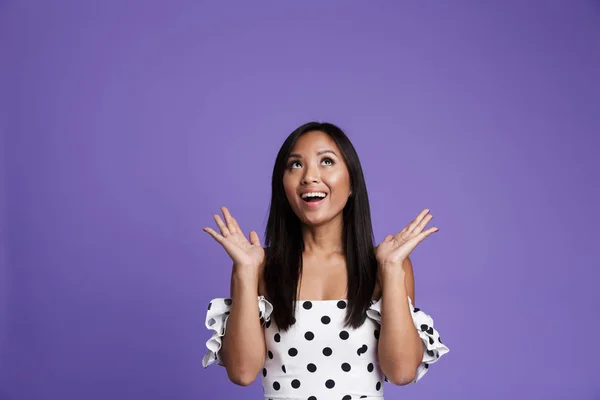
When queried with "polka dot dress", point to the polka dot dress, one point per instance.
{"points": [[318, 357]]}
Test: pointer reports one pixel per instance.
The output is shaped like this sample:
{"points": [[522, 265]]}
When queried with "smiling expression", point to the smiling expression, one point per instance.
{"points": [[316, 179]]}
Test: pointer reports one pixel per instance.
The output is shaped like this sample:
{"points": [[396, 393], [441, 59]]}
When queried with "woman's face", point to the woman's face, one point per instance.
{"points": [[316, 166]]}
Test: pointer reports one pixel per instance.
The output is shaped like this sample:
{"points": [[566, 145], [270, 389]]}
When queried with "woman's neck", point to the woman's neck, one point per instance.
{"points": [[326, 239]]}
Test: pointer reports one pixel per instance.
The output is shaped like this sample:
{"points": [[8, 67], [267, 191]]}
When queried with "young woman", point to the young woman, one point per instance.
{"points": [[321, 311]]}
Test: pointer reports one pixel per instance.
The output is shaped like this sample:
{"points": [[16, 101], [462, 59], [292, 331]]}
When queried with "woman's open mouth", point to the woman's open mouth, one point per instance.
{"points": [[313, 199]]}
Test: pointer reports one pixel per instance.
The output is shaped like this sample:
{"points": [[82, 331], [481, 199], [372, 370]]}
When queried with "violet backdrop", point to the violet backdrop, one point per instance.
{"points": [[127, 124]]}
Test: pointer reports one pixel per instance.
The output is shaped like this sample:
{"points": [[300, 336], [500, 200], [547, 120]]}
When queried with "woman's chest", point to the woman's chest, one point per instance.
{"points": [[320, 281], [319, 339]]}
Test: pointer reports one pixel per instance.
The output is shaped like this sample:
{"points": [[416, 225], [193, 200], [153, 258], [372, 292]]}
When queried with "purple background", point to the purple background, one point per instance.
{"points": [[126, 125]]}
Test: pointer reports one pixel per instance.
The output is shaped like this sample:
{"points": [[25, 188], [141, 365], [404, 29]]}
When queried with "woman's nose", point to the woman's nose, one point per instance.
{"points": [[311, 175]]}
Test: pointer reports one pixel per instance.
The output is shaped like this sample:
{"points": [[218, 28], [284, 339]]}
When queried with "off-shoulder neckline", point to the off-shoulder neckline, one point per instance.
{"points": [[327, 301], [319, 301]]}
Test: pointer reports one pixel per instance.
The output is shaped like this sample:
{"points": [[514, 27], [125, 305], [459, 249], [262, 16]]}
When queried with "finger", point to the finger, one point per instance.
{"points": [[231, 222], [423, 223], [411, 226], [417, 220], [406, 230], [428, 232], [224, 230], [400, 234], [254, 239], [235, 223], [214, 234]]}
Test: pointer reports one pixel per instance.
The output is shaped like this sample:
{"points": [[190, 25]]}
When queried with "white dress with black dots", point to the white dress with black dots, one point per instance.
{"points": [[318, 357]]}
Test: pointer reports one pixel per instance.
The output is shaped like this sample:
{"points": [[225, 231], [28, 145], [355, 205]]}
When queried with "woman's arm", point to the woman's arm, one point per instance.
{"points": [[400, 348], [243, 350]]}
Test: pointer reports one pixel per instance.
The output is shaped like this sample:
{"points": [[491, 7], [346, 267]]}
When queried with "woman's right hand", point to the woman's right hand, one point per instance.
{"points": [[245, 254]]}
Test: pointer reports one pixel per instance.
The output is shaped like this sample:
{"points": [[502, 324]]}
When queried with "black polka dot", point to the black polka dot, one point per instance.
{"points": [[329, 384], [363, 397], [227, 312], [276, 385], [370, 367], [228, 302], [344, 335], [347, 397], [312, 398], [307, 305], [416, 310], [378, 386], [345, 367], [439, 339], [341, 304], [293, 320], [377, 334], [327, 351], [293, 352], [270, 354], [209, 305], [325, 319], [309, 335], [295, 383], [311, 367], [211, 322], [277, 337], [362, 350], [426, 366], [430, 353], [268, 324], [264, 372], [283, 369]]}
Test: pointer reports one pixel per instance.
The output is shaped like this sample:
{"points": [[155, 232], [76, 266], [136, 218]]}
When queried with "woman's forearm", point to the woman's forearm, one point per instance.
{"points": [[243, 350], [400, 347]]}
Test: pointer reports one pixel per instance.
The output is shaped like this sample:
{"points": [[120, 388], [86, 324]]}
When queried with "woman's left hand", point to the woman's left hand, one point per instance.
{"points": [[393, 250]]}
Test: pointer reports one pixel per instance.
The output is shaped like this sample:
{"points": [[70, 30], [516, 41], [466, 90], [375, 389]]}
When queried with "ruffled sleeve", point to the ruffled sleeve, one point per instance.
{"points": [[216, 320], [433, 348]]}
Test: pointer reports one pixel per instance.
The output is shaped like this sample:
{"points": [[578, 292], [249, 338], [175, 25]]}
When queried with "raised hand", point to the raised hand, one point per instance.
{"points": [[244, 253], [393, 250]]}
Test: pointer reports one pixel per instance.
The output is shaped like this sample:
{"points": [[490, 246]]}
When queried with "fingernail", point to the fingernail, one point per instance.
{"points": [[436, 229]]}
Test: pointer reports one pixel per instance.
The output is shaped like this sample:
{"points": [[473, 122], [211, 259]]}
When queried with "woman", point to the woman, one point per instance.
{"points": [[335, 315]]}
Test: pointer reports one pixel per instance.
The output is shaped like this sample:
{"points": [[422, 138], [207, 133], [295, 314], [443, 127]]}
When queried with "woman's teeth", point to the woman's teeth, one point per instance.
{"points": [[313, 196]]}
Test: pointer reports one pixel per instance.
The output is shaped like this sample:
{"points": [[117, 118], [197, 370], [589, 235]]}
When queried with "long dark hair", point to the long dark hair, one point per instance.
{"points": [[284, 243]]}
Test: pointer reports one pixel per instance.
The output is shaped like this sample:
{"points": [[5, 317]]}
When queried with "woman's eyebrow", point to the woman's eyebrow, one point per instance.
{"points": [[318, 153]]}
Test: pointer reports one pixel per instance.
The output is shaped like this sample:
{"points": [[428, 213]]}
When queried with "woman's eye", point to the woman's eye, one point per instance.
{"points": [[293, 164]]}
